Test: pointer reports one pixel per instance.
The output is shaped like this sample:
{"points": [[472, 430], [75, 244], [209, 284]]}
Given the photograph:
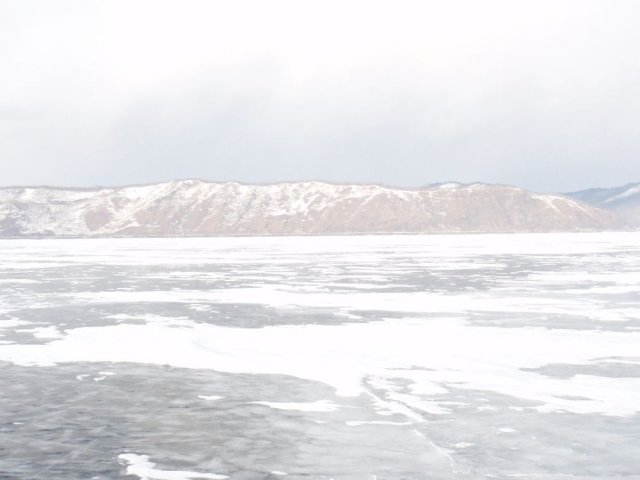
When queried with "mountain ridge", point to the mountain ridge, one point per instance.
{"points": [[196, 207], [623, 200]]}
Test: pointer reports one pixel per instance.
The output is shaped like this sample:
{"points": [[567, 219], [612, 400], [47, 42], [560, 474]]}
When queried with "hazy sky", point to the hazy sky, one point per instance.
{"points": [[541, 94]]}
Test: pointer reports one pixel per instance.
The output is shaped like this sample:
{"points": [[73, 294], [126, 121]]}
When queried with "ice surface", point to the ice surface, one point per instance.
{"points": [[478, 356]]}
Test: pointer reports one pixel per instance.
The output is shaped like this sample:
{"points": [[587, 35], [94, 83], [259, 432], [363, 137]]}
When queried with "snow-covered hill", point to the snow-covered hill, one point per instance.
{"points": [[193, 207], [624, 200]]}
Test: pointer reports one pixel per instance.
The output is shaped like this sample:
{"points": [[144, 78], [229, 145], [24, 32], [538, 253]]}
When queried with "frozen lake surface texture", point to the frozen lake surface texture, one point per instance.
{"points": [[346, 357]]}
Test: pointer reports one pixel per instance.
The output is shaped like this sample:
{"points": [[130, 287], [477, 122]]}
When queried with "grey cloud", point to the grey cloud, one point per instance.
{"points": [[550, 119]]}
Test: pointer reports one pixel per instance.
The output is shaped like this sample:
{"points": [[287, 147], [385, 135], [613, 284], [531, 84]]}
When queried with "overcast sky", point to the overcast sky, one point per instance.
{"points": [[541, 94]]}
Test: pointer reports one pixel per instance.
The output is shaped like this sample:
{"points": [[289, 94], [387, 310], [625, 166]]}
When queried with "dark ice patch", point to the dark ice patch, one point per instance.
{"points": [[609, 368], [72, 421]]}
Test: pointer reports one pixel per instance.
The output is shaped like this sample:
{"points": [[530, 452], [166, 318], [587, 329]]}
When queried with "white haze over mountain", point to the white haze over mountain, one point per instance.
{"points": [[537, 94]]}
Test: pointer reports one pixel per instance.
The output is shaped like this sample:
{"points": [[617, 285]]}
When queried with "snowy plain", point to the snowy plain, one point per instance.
{"points": [[344, 357]]}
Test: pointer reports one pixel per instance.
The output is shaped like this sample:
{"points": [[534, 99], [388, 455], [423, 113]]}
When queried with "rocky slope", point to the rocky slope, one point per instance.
{"points": [[624, 201], [193, 207]]}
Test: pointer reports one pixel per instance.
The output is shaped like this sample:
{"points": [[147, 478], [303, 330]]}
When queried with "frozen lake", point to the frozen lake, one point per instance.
{"points": [[344, 357]]}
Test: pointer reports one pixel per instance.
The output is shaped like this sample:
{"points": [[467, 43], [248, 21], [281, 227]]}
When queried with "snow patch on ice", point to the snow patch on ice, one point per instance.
{"points": [[318, 406], [210, 397], [356, 423], [13, 322], [462, 445], [140, 466], [445, 351]]}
